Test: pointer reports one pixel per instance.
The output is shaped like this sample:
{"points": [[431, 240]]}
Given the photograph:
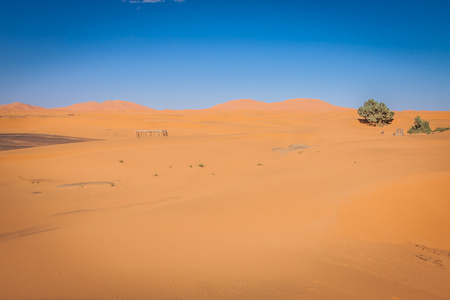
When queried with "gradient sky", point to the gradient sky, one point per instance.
{"points": [[198, 53]]}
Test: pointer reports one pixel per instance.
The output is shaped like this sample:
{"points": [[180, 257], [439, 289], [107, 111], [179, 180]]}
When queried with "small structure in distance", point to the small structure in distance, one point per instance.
{"points": [[398, 131], [150, 133]]}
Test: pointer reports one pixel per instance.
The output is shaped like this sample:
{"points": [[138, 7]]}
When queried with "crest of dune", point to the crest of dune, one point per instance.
{"points": [[17, 106], [298, 104], [241, 104], [110, 105], [305, 104]]}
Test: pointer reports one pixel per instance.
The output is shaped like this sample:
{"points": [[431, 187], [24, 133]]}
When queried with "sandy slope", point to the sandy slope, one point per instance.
{"points": [[298, 104], [110, 105], [19, 107], [357, 215]]}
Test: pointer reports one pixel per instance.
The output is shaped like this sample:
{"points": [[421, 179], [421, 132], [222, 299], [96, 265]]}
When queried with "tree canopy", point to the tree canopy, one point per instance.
{"points": [[376, 114], [420, 126]]}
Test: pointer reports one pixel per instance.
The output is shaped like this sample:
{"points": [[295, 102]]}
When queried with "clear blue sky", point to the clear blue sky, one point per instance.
{"points": [[198, 53]]}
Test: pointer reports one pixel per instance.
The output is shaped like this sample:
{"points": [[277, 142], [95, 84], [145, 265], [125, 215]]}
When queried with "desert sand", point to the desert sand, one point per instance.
{"points": [[297, 200]]}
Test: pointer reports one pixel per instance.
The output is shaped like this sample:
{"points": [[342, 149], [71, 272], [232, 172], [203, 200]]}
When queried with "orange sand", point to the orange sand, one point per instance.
{"points": [[110, 105], [357, 215]]}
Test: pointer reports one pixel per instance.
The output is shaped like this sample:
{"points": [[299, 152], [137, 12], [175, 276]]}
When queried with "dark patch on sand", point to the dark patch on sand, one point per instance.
{"points": [[81, 184], [12, 141], [75, 212], [432, 255], [24, 233], [292, 148], [442, 252], [430, 259]]}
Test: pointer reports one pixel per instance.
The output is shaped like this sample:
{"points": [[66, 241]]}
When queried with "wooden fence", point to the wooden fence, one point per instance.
{"points": [[150, 133]]}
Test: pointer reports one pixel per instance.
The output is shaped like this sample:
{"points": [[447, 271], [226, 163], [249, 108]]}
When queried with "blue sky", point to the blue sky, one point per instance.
{"points": [[198, 53]]}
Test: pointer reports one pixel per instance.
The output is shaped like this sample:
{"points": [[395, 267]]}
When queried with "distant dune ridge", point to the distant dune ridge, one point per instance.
{"points": [[92, 106], [241, 104], [297, 104], [16, 106], [110, 105]]}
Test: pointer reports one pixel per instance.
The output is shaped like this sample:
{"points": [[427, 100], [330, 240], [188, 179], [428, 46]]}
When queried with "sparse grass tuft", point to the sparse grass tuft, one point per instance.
{"points": [[259, 165], [155, 174], [112, 183], [190, 166], [120, 161], [201, 165]]}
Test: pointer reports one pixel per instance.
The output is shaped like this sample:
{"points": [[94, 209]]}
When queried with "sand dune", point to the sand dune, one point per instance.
{"points": [[16, 106], [313, 105], [117, 106], [396, 211], [241, 104], [213, 212], [307, 105], [110, 105]]}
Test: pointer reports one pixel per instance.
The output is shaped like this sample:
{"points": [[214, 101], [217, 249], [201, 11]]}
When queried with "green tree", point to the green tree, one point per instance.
{"points": [[376, 114], [420, 126]]}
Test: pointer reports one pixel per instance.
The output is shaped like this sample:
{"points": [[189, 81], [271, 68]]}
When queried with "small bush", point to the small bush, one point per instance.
{"points": [[201, 165], [420, 126], [120, 161], [441, 129]]}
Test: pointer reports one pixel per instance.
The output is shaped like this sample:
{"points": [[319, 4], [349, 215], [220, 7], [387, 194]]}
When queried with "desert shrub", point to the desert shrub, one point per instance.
{"points": [[420, 126], [441, 129], [376, 114]]}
